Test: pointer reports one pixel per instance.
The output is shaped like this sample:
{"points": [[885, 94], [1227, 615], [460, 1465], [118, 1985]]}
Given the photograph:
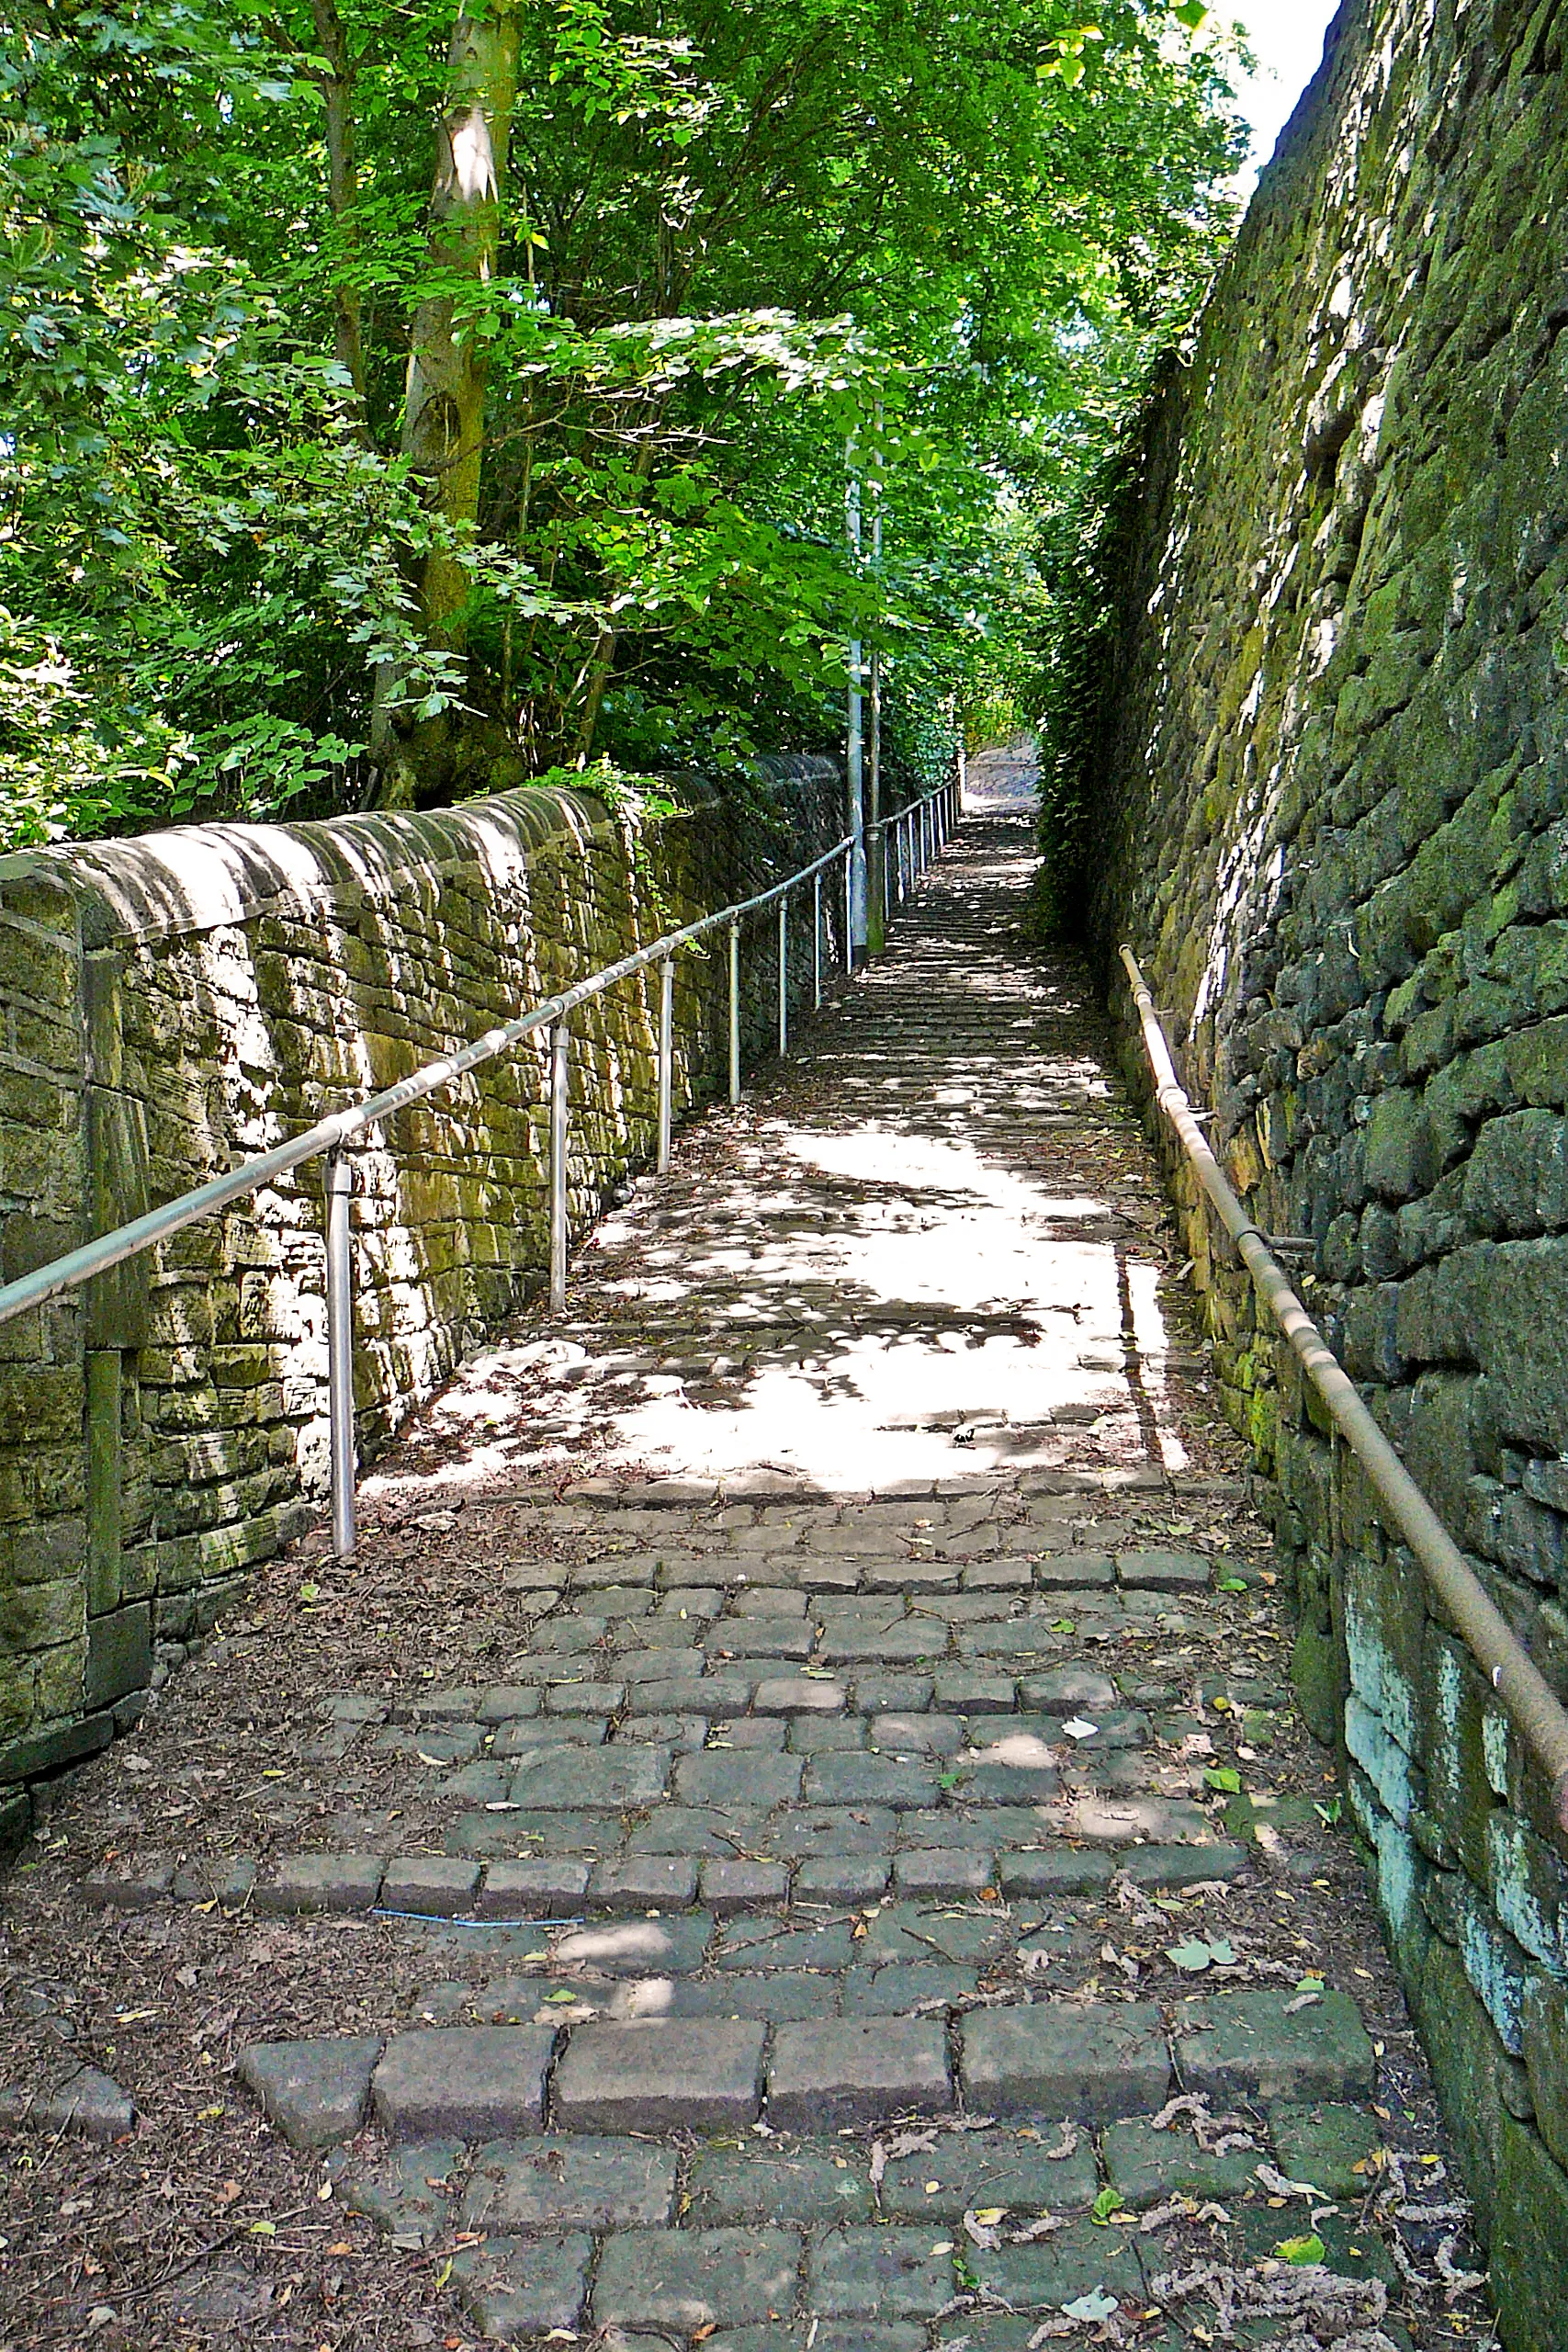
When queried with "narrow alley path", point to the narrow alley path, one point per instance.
{"points": [[794, 1832]]}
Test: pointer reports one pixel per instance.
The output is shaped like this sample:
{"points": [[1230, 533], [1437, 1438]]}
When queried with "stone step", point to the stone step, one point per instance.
{"points": [[458, 1887], [1090, 2062], [864, 2231]]}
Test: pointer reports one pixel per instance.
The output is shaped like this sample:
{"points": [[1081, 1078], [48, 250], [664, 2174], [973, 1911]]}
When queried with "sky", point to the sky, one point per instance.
{"points": [[1287, 38]]}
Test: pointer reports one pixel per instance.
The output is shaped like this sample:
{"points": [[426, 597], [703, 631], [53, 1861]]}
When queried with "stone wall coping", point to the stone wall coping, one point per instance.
{"points": [[189, 878], [207, 878]]}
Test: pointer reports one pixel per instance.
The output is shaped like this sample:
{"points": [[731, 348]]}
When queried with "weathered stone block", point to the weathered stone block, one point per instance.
{"points": [[833, 2073], [315, 2093], [474, 2082], [1092, 2061], [699, 2075], [690, 2279], [1259, 2044]]}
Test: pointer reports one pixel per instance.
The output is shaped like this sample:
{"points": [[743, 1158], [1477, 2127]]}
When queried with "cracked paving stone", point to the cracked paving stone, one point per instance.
{"points": [[480, 2082], [314, 2092], [569, 2182], [835, 2073], [1088, 2060], [1260, 2046], [664, 2075], [696, 2278]]}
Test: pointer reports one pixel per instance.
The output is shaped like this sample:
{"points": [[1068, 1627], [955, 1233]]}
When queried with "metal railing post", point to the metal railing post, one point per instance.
{"points": [[735, 1010], [783, 974], [816, 943], [666, 1059], [340, 1352], [848, 910], [560, 1060]]}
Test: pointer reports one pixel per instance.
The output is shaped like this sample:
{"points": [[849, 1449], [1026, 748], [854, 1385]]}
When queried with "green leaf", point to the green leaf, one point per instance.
{"points": [[1109, 2202], [1094, 2306], [1302, 2251], [1231, 1584], [1223, 1776], [1192, 1957]]}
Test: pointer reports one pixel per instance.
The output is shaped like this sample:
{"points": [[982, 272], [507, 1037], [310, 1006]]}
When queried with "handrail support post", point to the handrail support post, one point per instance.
{"points": [[340, 1352], [666, 1060], [735, 1010], [561, 1070]]}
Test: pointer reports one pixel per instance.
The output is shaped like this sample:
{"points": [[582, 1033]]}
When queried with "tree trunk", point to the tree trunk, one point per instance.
{"points": [[336, 86], [444, 407]]}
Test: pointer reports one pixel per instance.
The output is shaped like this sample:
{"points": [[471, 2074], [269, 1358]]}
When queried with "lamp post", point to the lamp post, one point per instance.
{"points": [[856, 759]]}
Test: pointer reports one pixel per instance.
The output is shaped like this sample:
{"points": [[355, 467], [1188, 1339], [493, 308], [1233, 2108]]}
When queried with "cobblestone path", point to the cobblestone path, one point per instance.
{"points": [[792, 1835]]}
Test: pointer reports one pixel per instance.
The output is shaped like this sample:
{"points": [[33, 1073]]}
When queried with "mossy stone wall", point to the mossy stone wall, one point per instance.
{"points": [[174, 1004], [1332, 817]]}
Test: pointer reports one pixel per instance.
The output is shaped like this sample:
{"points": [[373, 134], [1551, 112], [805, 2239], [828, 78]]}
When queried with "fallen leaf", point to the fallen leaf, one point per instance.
{"points": [[1096, 2305]]}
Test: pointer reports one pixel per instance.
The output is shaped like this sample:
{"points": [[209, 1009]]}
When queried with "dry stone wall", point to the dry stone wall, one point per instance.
{"points": [[1331, 800], [175, 1003]]}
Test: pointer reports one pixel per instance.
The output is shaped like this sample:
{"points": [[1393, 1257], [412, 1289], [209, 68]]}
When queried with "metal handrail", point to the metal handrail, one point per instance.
{"points": [[909, 840], [1540, 1719]]}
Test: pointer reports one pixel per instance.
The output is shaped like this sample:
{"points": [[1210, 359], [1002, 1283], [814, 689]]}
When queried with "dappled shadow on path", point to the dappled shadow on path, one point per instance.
{"points": [[933, 1225]]}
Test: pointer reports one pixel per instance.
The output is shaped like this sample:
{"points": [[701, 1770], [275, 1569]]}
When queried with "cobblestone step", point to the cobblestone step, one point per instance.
{"points": [[1042, 2059]]}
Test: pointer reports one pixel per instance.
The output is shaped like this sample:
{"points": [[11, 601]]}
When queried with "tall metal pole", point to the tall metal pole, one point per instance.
{"points": [[560, 1060], [735, 1011], [849, 911], [340, 1352], [783, 974], [854, 762], [666, 1059], [817, 941], [876, 895]]}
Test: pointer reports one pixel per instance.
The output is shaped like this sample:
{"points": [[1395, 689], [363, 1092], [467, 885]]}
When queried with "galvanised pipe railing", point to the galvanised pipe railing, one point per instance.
{"points": [[1533, 1707], [911, 838]]}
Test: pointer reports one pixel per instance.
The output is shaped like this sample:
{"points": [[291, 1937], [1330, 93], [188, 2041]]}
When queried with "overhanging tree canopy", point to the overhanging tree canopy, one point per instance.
{"points": [[406, 400]]}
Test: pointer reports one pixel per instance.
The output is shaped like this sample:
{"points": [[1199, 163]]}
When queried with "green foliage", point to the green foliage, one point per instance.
{"points": [[733, 244]]}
